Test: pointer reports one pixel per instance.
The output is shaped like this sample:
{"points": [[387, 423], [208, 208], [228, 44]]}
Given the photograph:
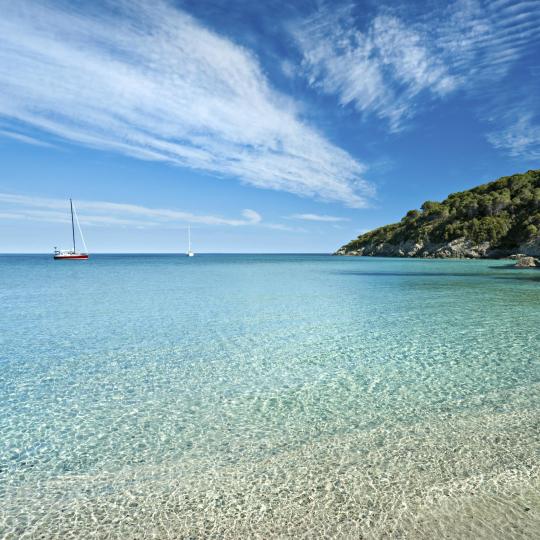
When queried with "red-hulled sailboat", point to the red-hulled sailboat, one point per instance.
{"points": [[65, 254]]}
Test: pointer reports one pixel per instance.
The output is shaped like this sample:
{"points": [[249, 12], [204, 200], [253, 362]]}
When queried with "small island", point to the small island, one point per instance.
{"points": [[494, 220]]}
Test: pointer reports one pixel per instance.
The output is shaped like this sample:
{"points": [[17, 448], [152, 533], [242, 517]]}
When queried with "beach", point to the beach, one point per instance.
{"points": [[260, 396]]}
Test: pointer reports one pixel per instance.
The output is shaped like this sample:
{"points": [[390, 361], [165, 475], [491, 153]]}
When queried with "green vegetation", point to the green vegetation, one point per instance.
{"points": [[505, 213]]}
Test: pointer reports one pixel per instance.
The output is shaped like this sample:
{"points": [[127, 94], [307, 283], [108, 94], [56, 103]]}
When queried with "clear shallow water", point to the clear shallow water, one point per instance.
{"points": [[268, 396]]}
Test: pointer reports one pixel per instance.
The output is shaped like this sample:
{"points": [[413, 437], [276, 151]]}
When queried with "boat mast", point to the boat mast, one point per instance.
{"points": [[189, 238], [72, 224]]}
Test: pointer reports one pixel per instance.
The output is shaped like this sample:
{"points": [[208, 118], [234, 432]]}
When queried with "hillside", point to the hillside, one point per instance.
{"points": [[493, 220]]}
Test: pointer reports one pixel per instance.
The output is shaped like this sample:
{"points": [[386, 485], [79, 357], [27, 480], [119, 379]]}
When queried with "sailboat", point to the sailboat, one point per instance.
{"points": [[61, 254], [189, 252]]}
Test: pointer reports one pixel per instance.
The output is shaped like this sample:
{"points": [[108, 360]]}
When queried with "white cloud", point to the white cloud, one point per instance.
{"points": [[252, 216], [520, 137], [395, 65], [485, 41], [145, 79], [282, 227], [378, 71], [104, 213], [23, 138], [482, 40], [317, 217]]}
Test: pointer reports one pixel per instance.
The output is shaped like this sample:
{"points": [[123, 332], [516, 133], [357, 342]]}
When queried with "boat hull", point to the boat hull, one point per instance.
{"points": [[77, 257]]}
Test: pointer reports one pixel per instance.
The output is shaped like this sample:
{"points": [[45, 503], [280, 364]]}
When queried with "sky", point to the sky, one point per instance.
{"points": [[270, 126]]}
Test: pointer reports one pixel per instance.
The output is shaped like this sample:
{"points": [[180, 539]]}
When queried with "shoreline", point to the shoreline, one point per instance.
{"points": [[522, 260]]}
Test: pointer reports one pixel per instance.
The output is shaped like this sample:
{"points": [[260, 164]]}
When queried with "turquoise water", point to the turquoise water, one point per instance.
{"points": [[262, 396]]}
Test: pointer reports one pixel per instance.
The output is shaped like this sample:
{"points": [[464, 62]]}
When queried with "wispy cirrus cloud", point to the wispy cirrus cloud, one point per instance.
{"points": [[4, 133], [317, 217], [519, 136], [484, 42], [394, 64], [110, 214], [379, 70], [481, 40], [147, 80]]}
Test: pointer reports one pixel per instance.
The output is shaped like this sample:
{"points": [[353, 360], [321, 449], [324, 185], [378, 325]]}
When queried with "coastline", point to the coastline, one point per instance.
{"points": [[526, 255], [521, 261]]}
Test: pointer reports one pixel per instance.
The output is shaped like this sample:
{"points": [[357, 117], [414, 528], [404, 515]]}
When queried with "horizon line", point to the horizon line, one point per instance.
{"points": [[177, 253]]}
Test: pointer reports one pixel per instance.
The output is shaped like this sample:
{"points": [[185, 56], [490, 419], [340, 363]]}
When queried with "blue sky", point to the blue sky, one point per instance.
{"points": [[268, 126]]}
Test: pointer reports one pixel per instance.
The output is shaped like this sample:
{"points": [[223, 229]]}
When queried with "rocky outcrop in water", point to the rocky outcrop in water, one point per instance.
{"points": [[522, 261]]}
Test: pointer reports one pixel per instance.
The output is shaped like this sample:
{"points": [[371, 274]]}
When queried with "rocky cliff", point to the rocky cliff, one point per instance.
{"points": [[493, 220]]}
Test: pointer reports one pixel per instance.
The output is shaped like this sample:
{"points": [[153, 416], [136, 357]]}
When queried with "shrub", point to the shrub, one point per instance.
{"points": [[504, 212]]}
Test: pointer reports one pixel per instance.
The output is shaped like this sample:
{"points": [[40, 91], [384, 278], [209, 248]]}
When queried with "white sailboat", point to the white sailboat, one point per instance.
{"points": [[189, 252], [72, 254]]}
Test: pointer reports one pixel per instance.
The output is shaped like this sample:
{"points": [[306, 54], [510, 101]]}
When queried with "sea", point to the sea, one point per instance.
{"points": [[268, 396]]}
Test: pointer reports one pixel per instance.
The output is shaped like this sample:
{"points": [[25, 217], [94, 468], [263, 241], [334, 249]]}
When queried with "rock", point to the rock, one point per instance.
{"points": [[455, 249], [531, 248], [527, 262]]}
